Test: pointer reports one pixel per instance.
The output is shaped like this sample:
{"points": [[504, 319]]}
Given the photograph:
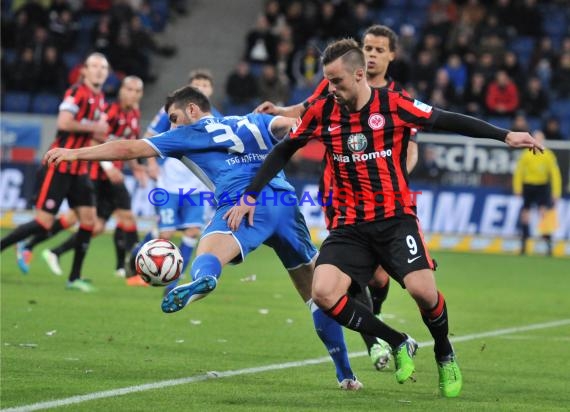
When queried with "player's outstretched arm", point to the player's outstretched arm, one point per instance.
{"points": [[470, 126], [118, 150]]}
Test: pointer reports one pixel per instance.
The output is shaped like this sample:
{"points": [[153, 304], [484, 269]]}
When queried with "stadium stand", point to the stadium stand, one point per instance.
{"points": [[481, 33], [119, 28]]}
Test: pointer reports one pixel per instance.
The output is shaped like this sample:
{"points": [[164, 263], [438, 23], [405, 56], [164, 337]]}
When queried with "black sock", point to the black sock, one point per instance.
{"points": [[131, 238], [66, 245], [354, 315], [548, 240], [524, 236], [364, 298], [83, 237], [40, 237], [120, 251], [378, 296], [21, 232], [437, 323]]}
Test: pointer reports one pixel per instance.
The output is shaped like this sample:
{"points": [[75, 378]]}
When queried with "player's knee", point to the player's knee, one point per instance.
{"points": [[87, 216], [126, 218], [45, 219], [323, 297], [421, 286], [380, 278], [192, 232], [99, 227]]}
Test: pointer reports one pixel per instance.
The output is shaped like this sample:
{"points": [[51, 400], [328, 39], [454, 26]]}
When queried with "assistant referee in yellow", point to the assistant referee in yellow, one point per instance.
{"points": [[537, 178]]}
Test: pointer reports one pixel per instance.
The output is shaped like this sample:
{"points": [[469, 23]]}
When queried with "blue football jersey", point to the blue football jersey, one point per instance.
{"points": [[224, 152], [161, 123]]}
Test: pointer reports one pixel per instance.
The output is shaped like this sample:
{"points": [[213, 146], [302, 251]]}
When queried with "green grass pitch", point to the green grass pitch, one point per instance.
{"points": [[56, 344]]}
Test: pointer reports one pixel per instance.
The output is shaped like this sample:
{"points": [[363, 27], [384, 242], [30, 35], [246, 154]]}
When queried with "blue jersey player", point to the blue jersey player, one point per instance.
{"points": [[186, 215], [226, 153]]}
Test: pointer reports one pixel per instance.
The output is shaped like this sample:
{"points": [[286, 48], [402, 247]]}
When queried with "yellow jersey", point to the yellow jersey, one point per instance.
{"points": [[539, 169]]}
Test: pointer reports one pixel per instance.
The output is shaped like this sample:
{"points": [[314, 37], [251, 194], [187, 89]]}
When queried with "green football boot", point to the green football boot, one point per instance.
{"points": [[450, 380], [403, 357]]}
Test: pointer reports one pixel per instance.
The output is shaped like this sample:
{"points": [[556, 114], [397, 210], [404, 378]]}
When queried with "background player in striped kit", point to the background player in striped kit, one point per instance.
{"points": [[81, 118], [112, 195]]}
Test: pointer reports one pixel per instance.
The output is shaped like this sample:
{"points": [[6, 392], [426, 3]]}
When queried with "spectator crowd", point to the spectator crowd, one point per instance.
{"points": [[499, 60], [44, 43]]}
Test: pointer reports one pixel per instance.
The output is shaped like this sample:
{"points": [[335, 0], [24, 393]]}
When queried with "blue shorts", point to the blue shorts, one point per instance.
{"points": [[280, 227], [179, 215]]}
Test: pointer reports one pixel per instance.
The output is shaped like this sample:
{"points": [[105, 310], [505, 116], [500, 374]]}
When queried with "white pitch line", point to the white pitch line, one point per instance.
{"points": [[214, 375]]}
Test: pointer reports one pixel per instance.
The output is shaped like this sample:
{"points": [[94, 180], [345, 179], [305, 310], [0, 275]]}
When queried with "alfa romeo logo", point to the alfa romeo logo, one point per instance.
{"points": [[357, 142]]}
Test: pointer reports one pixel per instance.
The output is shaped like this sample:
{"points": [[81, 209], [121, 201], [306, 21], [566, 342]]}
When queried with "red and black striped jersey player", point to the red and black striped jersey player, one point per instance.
{"points": [[379, 44], [112, 196], [371, 216], [81, 118]]}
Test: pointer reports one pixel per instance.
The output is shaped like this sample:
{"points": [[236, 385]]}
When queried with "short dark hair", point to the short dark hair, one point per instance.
{"points": [[346, 49], [201, 74], [186, 95], [383, 31]]}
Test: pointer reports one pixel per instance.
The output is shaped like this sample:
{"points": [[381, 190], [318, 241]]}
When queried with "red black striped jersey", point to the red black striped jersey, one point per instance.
{"points": [[124, 124], [365, 155], [86, 105]]}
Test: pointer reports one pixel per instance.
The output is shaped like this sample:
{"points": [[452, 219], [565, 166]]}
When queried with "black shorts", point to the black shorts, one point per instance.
{"points": [[396, 244], [537, 195], [52, 187], [111, 197]]}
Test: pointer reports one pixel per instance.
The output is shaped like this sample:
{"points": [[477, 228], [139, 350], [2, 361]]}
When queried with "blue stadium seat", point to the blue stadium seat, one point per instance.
{"points": [[390, 17], [523, 47], [237, 109], [420, 4], [46, 103], [299, 94], [499, 121], [556, 26], [16, 102], [416, 17], [9, 56], [161, 12], [86, 24], [256, 69], [561, 108], [71, 60], [565, 128], [395, 4], [534, 123], [112, 84]]}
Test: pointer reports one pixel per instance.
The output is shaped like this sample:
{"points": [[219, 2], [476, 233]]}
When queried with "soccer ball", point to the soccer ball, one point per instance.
{"points": [[159, 262]]}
